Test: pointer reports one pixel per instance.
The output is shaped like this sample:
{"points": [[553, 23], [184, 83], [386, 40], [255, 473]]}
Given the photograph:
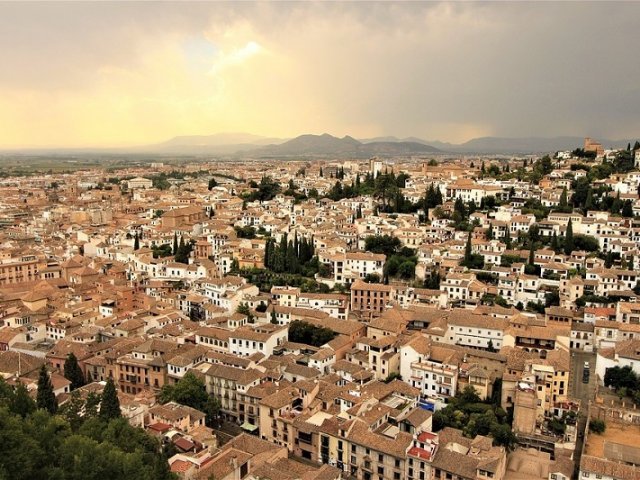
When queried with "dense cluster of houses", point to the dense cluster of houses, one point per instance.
{"points": [[144, 285]]}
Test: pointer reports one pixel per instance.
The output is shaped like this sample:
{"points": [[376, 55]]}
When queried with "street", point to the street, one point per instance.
{"points": [[577, 389], [583, 392]]}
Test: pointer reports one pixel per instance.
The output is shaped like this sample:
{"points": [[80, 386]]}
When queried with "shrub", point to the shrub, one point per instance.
{"points": [[597, 426]]}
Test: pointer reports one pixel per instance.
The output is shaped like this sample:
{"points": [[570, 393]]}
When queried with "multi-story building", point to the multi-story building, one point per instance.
{"points": [[231, 385], [20, 269], [370, 298], [247, 340]]}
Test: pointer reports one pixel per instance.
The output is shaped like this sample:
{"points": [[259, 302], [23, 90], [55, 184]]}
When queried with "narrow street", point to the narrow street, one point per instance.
{"points": [[577, 389], [583, 392]]}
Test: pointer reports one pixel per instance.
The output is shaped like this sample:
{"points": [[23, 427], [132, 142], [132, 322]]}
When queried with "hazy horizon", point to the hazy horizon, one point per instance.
{"points": [[130, 74]]}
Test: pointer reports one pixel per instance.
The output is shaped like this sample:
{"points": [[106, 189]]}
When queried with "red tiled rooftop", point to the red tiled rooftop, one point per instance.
{"points": [[159, 427], [420, 453], [180, 466], [425, 436], [184, 444]]}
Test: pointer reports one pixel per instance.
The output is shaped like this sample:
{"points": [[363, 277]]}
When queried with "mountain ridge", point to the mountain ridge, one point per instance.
{"points": [[328, 145], [240, 143]]}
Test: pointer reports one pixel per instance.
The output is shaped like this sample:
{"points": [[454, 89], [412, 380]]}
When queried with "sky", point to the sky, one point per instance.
{"points": [[79, 74]]}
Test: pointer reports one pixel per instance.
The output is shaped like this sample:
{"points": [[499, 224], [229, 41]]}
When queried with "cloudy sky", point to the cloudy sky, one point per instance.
{"points": [[112, 74]]}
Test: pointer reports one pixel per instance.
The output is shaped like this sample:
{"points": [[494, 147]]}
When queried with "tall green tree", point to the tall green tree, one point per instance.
{"points": [[136, 242], [555, 245], [73, 372], [616, 206], [175, 243], [22, 403], [91, 405], [467, 249], [563, 205], [568, 239], [589, 203], [507, 238], [490, 232], [110, 404], [531, 254], [46, 398]]}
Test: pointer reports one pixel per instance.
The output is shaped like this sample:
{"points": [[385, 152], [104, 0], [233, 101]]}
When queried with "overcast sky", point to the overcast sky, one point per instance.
{"points": [[103, 74]]}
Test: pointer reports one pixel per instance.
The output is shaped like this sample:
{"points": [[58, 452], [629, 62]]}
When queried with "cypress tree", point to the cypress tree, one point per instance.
{"points": [[291, 261], [507, 239], [22, 404], [175, 243], [490, 232], [73, 372], [588, 203], [267, 254], [110, 405], [136, 242], [46, 398], [568, 239], [555, 246], [564, 204], [616, 206], [282, 253], [531, 254], [467, 249]]}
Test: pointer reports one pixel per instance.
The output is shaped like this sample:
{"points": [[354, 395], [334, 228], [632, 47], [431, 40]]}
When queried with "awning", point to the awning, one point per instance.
{"points": [[249, 427]]}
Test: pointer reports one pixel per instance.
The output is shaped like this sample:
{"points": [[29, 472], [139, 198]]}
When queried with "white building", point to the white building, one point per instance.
{"points": [[247, 340]]}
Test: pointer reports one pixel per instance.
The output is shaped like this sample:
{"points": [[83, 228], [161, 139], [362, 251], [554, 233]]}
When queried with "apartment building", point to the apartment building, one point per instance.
{"points": [[20, 269], [231, 385], [370, 298], [474, 330], [251, 339]]}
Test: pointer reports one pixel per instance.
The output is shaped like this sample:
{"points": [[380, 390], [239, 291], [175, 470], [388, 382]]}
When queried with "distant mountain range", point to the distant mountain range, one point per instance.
{"points": [[328, 145], [231, 144], [219, 143]]}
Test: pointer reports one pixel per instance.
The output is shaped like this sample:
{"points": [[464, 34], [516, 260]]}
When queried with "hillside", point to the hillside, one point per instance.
{"points": [[328, 145]]}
